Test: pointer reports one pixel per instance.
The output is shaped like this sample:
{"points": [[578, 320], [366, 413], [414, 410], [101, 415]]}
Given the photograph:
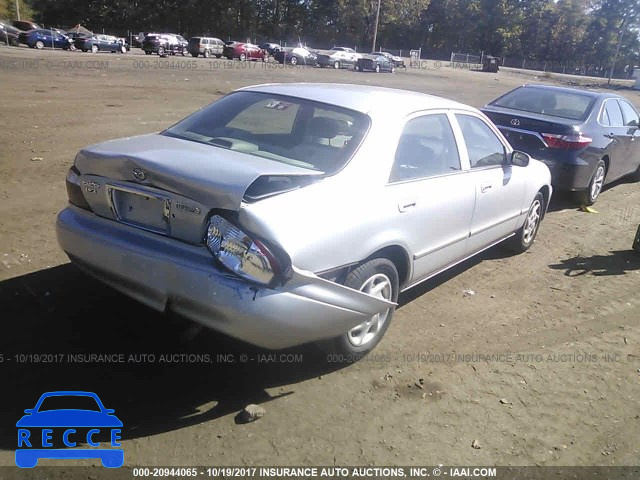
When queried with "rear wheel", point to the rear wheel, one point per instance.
{"points": [[393, 69], [194, 55], [39, 45], [294, 60], [161, 51], [525, 237], [146, 52], [206, 54], [94, 48], [336, 64], [123, 49], [185, 52], [243, 57], [379, 278], [377, 68], [589, 196]]}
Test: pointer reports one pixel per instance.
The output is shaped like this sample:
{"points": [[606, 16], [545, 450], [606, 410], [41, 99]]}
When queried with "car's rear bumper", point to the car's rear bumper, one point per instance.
{"points": [[569, 176], [168, 274]]}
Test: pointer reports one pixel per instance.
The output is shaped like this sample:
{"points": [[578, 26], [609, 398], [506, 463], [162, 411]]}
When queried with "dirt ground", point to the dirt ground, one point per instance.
{"points": [[540, 366]]}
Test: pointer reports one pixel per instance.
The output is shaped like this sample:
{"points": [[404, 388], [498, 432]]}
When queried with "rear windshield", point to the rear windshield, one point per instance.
{"points": [[290, 130], [557, 103]]}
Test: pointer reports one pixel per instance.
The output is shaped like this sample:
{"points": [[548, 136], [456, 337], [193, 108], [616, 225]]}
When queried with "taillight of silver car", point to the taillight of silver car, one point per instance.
{"points": [[74, 190], [246, 257], [574, 141]]}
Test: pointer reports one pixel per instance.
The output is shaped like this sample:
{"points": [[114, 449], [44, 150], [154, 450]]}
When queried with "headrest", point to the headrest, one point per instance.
{"points": [[325, 127]]}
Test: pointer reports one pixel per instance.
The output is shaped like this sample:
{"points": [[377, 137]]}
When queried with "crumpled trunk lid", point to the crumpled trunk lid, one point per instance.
{"points": [[168, 185]]}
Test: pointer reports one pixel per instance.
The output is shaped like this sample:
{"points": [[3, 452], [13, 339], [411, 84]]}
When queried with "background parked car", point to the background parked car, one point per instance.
{"points": [[296, 56], [101, 43], [376, 63], [9, 35], [25, 25], [205, 46], [165, 44], [398, 62], [245, 51], [338, 57], [272, 48], [42, 38], [587, 139]]}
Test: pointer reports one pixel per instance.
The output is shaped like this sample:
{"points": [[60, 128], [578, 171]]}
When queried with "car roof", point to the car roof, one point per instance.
{"points": [[362, 98], [557, 88]]}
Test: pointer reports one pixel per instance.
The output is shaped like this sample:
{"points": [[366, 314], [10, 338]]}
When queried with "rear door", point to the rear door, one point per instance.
{"points": [[499, 186], [631, 122], [431, 193], [614, 129]]}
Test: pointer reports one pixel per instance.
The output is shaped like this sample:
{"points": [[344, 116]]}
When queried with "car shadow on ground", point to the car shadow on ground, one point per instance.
{"points": [[52, 314], [617, 262]]}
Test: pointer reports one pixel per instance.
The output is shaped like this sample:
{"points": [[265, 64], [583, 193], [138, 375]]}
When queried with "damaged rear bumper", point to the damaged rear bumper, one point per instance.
{"points": [[167, 274]]}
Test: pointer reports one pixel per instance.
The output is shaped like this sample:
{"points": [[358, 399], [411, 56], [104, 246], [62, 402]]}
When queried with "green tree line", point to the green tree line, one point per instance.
{"points": [[569, 32]]}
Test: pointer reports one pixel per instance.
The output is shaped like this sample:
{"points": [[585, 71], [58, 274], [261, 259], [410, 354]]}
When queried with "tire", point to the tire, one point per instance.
{"points": [[146, 52], [219, 55], [194, 55], [591, 194], [336, 64], [377, 68], [265, 58], [39, 45], [243, 57], [525, 237], [185, 52], [294, 61], [206, 54], [123, 49], [94, 48], [635, 176], [378, 273], [393, 69]]}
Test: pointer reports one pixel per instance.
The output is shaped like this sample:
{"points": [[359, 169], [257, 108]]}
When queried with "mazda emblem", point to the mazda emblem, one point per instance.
{"points": [[139, 174]]}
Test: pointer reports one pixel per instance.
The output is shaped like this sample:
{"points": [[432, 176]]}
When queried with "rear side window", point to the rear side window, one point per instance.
{"points": [[426, 148], [614, 113], [484, 147], [629, 113]]}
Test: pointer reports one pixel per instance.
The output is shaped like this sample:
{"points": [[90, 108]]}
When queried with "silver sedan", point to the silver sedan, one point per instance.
{"points": [[290, 213]]}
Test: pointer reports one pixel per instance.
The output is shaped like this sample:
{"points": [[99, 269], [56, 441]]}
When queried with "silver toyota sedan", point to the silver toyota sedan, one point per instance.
{"points": [[290, 213]]}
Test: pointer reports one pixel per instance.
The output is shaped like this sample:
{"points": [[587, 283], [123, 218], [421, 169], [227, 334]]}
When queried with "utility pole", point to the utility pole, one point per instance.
{"points": [[375, 29], [615, 57], [18, 9]]}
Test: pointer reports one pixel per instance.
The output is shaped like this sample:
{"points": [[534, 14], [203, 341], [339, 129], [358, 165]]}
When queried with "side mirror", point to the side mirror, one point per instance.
{"points": [[519, 159], [29, 411]]}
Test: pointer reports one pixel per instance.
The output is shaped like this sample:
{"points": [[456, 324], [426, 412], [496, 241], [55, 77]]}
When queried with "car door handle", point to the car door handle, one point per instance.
{"points": [[485, 188], [404, 206], [610, 135]]}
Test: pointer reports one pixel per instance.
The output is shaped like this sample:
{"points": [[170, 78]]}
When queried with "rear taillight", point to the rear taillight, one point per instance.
{"points": [[574, 141], [74, 191]]}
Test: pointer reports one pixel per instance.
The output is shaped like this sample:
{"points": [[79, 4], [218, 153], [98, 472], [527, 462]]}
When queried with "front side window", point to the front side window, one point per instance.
{"points": [[290, 130], [483, 145], [427, 148]]}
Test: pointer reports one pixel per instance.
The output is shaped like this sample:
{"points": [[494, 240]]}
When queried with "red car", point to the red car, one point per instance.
{"points": [[244, 51]]}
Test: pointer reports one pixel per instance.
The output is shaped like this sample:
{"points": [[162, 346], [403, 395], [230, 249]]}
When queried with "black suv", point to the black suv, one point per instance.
{"points": [[165, 44]]}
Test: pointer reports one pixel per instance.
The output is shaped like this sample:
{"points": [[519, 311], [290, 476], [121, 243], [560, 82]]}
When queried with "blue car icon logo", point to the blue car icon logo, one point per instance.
{"points": [[60, 422]]}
